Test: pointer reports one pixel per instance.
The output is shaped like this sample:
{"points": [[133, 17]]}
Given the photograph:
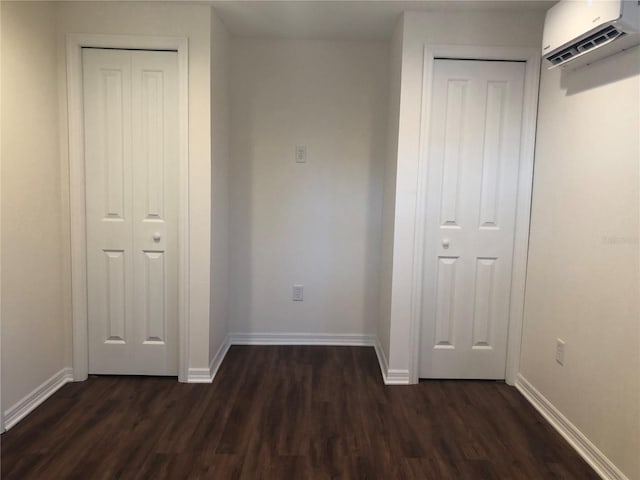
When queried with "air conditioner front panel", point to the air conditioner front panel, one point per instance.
{"points": [[569, 21]]}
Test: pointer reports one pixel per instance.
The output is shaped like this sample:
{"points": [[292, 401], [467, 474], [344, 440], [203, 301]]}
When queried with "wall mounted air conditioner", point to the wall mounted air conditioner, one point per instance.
{"points": [[579, 32]]}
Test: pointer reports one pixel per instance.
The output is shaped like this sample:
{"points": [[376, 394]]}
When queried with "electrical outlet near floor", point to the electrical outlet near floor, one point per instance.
{"points": [[297, 293], [560, 351]]}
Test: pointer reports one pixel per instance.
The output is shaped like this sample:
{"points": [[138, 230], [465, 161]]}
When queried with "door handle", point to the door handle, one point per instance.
{"points": [[445, 243], [156, 237]]}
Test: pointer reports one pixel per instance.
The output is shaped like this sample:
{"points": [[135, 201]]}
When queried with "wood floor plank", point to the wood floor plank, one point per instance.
{"points": [[291, 412]]}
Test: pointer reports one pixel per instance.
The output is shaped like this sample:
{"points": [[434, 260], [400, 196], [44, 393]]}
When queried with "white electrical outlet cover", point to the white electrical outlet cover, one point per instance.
{"points": [[560, 351], [297, 293]]}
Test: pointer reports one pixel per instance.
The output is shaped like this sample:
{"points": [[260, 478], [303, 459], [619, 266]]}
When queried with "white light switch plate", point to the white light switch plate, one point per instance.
{"points": [[301, 154]]}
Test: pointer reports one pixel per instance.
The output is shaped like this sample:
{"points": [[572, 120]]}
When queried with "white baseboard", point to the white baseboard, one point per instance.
{"points": [[397, 377], [390, 376], [206, 375], [302, 339], [31, 401], [382, 361], [217, 359], [587, 450], [198, 375]]}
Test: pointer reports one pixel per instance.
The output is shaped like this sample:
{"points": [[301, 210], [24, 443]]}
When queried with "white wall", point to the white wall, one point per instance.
{"points": [[583, 279], [163, 19], [219, 310], [389, 196], [319, 223], [519, 29], [33, 342]]}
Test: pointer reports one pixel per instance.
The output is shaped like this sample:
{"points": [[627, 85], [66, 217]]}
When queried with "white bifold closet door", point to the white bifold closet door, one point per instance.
{"points": [[472, 189], [131, 173]]}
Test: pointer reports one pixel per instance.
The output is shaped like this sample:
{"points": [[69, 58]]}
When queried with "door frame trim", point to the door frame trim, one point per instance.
{"points": [[74, 45], [531, 58]]}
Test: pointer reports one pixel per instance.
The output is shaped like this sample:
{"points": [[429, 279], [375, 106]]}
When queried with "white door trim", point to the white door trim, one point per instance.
{"points": [[525, 179], [75, 42]]}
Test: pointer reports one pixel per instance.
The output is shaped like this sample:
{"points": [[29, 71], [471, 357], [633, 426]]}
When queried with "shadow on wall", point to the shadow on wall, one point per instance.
{"points": [[241, 177], [373, 248], [608, 70]]}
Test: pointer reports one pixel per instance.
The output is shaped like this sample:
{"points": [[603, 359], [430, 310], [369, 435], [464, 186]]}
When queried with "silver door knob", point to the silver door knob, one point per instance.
{"points": [[445, 243], [156, 237]]}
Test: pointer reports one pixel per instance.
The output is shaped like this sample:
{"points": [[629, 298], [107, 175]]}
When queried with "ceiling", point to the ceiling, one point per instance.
{"points": [[342, 20]]}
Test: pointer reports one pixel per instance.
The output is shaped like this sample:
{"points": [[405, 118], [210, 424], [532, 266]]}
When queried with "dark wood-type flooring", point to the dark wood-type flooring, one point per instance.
{"points": [[287, 413]]}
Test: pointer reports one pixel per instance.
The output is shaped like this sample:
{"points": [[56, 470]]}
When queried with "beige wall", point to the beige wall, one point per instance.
{"points": [[33, 270], [219, 310], [583, 283], [522, 29], [163, 19], [319, 223]]}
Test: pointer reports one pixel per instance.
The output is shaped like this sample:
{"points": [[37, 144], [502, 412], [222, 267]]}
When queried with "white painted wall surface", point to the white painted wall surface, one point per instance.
{"points": [[519, 29], [219, 310], [583, 282], [163, 19], [319, 223], [389, 195], [33, 341]]}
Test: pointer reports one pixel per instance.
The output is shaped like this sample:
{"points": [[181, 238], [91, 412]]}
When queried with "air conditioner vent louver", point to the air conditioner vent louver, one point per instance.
{"points": [[605, 35]]}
